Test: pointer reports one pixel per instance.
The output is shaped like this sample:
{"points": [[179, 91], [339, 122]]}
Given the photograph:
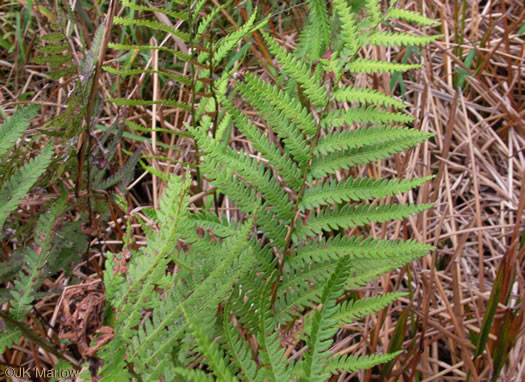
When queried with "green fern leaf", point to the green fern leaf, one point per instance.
{"points": [[352, 363], [295, 144], [354, 247], [238, 350], [322, 328], [14, 127], [348, 25], [362, 95], [22, 181], [282, 163], [355, 309], [211, 351], [356, 189], [195, 375], [345, 159], [400, 39], [365, 136], [403, 14], [315, 37], [299, 71], [271, 352], [368, 114], [356, 215], [363, 65]]}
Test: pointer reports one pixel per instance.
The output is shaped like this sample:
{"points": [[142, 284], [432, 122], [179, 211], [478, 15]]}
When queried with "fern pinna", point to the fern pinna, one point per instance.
{"points": [[238, 285]]}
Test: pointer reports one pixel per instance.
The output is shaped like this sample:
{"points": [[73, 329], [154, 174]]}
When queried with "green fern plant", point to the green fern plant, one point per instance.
{"points": [[237, 285]]}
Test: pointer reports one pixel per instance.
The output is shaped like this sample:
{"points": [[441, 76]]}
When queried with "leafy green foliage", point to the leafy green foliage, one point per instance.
{"points": [[237, 283]]}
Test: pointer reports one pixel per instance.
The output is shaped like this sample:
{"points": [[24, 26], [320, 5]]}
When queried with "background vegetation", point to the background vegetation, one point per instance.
{"points": [[463, 317]]}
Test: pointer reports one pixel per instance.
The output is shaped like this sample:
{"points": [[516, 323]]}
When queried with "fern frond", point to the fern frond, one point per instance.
{"points": [[355, 309], [299, 71], [374, 10], [400, 39], [363, 65], [363, 95], [352, 363], [348, 25], [354, 247], [35, 259], [295, 144], [237, 259], [315, 37], [365, 136], [238, 349], [403, 14], [271, 351], [345, 159], [368, 114], [356, 189], [322, 328], [21, 182], [213, 354], [13, 128], [250, 169], [356, 215], [195, 375], [282, 163], [290, 107]]}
